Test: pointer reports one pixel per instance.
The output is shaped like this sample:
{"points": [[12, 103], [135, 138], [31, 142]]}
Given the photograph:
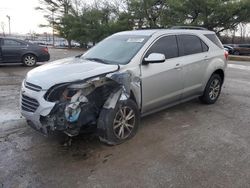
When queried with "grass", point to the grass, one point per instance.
{"points": [[238, 58]]}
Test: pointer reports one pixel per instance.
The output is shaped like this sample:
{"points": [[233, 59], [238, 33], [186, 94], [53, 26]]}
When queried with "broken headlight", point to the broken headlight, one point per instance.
{"points": [[67, 90], [54, 93]]}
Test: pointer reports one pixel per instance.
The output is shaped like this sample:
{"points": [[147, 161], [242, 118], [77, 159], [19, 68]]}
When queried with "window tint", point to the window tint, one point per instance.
{"points": [[204, 46], [9, 42], [189, 44], [214, 39], [165, 45]]}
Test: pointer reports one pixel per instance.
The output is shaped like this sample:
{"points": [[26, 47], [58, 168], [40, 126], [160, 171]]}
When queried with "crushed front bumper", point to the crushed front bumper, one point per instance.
{"points": [[33, 106]]}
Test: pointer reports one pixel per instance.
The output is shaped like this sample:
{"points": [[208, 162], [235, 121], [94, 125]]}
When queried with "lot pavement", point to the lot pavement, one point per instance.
{"points": [[190, 145]]}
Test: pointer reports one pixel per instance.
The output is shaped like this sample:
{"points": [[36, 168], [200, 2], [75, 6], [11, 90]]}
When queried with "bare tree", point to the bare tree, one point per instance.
{"points": [[243, 31], [3, 28]]}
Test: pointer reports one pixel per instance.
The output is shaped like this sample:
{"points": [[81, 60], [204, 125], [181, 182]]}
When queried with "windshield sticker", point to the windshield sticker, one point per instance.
{"points": [[135, 40]]}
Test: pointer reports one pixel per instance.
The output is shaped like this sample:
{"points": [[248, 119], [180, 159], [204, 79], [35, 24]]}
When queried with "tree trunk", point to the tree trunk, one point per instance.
{"points": [[69, 43]]}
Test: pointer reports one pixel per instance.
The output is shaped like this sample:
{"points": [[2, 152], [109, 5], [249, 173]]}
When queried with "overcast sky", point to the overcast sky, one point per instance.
{"points": [[24, 17]]}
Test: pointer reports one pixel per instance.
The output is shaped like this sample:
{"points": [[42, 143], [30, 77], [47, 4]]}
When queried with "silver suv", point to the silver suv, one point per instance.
{"points": [[128, 75]]}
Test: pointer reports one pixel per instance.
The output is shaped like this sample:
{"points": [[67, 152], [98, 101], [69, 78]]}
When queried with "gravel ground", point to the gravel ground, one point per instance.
{"points": [[190, 145]]}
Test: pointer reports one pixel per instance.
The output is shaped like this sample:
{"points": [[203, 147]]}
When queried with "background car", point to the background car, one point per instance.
{"points": [[15, 51], [229, 49], [240, 49]]}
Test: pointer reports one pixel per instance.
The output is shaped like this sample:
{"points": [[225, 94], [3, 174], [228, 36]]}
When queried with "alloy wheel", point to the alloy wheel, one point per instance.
{"points": [[214, 89], [124, 122], [29, 60]]}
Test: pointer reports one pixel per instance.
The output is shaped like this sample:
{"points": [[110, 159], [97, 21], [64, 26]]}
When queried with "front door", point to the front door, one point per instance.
{"points": [[162, 83]]}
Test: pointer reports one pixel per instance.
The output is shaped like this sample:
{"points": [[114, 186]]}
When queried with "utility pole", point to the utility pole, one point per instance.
{"points": [[53, 32], [9, 23]]}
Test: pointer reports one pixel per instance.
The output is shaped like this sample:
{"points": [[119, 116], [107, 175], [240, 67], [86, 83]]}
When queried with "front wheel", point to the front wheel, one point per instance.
{"points": [[212, 90], [118, 125], [29, 60]]}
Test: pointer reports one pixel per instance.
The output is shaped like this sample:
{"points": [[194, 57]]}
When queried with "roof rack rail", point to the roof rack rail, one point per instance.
{"points": [[188, 27]]}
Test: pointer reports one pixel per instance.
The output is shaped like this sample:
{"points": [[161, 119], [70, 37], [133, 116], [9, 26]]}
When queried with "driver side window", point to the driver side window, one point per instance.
{"points": [[165, 45]]}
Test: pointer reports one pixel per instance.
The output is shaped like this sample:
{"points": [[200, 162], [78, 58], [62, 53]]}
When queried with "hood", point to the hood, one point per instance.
{"points": [[67, 70]]}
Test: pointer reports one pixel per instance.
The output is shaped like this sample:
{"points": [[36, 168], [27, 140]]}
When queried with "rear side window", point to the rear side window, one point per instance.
{"points": [[165, 45], [214, 39], [190, 44], [9, 42]]}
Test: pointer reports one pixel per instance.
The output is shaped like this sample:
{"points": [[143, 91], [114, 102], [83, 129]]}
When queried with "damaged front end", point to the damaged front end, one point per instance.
{"points": [[79, 104]]}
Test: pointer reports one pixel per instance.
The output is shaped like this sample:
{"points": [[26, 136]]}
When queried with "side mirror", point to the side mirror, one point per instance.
{"points": [[154, 58]]}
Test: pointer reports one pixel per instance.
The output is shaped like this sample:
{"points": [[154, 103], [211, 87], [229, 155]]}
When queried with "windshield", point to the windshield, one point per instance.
{"points": [[119, 49]]}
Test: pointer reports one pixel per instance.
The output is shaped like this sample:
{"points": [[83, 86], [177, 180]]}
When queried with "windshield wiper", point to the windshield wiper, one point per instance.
{"points": [[98, 60]]}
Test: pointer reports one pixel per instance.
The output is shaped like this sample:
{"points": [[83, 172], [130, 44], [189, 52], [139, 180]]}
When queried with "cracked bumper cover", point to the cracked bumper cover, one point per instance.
{"points": [[44, 108], [120, 85]]}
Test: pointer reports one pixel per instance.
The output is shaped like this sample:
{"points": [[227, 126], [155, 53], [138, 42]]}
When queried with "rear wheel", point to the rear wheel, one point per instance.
{"points": [[118, 125], [236, 53], [212, 90], [29, 60]]}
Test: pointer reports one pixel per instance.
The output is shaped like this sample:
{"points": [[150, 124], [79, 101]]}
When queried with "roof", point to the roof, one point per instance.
{"points": [[19, 40], [12, 38], [149, 32]]}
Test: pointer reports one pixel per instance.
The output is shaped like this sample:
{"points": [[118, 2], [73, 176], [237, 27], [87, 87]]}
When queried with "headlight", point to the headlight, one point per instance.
{"points": [[55, 92], [67, 90]]}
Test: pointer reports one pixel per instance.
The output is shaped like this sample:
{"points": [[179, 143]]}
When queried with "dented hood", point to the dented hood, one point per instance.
{"points": [[67, 70]]}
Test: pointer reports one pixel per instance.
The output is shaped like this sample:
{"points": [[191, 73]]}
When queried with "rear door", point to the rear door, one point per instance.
{"points": [[194, 55], [12, 50]]}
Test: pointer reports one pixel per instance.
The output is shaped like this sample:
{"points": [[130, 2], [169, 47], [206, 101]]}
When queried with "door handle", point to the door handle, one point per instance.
{"points": [[178, 66]]}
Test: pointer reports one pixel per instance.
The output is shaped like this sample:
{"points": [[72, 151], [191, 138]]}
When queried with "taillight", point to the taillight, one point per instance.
{"points": [[45, 49], [226, 55]]}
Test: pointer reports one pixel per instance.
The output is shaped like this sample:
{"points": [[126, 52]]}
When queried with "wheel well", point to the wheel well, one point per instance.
{"points": [[132, 96], [28, 54], [220, 73]]}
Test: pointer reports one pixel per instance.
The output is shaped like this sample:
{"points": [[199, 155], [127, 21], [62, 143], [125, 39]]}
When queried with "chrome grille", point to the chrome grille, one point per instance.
{"points": [[32, 86], [29, 104]]}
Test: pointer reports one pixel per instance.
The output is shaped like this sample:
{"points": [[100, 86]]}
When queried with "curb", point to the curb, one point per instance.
{"points": [[238, 58]]}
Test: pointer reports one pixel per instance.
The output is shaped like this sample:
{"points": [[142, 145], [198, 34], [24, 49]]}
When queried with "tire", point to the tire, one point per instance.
{"points": [[29, 60], [212, 90], [236, 53], [113, 127]]}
